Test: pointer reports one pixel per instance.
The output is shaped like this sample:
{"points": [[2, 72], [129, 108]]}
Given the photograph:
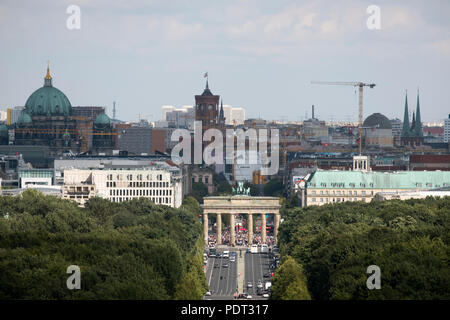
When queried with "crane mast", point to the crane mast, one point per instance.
{"points": [[361, 86]]}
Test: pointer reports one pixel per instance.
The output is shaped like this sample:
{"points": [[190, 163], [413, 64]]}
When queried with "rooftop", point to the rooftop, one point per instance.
{"points": [[332, 179]]}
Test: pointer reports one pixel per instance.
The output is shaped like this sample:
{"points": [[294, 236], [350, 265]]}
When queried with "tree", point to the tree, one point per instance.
{"points": [[273, 188], [129, 250], [199, 190], [335, 244], [289, 282]]}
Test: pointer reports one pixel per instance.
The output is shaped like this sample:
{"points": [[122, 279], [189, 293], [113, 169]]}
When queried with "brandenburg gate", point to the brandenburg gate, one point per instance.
{"points": [[240, 204]]}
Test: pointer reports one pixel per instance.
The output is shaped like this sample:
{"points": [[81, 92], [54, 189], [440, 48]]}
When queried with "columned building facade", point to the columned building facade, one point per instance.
{"points": [[239, 204]]}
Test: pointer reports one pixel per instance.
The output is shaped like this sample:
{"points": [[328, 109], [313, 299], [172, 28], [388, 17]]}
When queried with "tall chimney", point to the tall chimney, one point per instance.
{"points": [[313, 111]]}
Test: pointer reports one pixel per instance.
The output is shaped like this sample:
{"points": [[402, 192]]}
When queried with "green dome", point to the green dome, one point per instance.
{"points": [[48, 101], [24, 118], [102, 119], [3, 130]]}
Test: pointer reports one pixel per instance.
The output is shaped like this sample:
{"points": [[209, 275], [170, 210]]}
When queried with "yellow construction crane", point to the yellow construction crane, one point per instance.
{"points": [[360, 85]]}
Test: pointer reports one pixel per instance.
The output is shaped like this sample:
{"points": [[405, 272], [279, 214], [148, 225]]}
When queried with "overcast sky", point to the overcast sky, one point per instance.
{"points": [[261, 55]]}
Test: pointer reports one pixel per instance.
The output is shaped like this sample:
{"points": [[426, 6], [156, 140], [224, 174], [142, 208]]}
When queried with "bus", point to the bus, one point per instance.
{"points": [[254, 248], [212, 252]]}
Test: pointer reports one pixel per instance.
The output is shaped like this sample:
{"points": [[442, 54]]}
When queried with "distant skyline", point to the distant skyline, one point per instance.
{"points": [[259, 54]]}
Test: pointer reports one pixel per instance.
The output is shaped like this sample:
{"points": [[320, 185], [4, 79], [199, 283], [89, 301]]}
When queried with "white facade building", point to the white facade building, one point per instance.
{"points": [[237, 114], [118, 185]]}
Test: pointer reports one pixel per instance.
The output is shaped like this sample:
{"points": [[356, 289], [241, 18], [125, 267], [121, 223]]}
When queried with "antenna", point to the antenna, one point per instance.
{"points": [[114, 110]]}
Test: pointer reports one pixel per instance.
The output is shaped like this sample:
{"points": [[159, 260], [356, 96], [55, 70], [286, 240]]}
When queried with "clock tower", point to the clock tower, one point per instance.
{"points": [[207, 109]]}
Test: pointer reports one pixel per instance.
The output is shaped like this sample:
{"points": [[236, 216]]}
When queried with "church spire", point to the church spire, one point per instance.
{"points": [[405, 130], [221, 116], [48, 77], [418, 123]]}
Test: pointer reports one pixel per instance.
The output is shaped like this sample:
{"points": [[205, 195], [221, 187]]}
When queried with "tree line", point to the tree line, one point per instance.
{"points": [[128, 250], [327, 249]]}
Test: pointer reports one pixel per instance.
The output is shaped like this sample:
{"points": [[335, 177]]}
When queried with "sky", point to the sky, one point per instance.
{"points": [[259, 54]]}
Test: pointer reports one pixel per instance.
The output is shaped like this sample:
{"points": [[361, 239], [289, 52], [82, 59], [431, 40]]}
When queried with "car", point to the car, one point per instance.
{"points": [[232, 259], [249, 285], [259, 292], [267, 275], [233, 253], [216, 265], [249, 297], [225, 265], [226, 254], [218, 255], [259, 285], [266, 295], [242, 295], [208, 293]]}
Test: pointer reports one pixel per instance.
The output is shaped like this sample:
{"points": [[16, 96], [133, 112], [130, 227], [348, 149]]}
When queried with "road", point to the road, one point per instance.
{"points": [[256, 265], [223, 280]]}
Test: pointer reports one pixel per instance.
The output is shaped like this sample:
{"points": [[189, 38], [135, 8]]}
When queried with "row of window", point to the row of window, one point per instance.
{"points": [[147, 192], [205, 179], [370, 185], [153, 184], [331, 200], [159, 200], [341, 192], [138, 177]]}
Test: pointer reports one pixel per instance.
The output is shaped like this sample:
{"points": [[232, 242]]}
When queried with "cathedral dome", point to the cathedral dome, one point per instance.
{"points": [[3, 130], [24, 118], [48, 101], [102, 120], [377, 120]]}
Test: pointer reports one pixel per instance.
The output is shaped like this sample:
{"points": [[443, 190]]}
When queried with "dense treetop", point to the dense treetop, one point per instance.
{"points": [[334, 245], [129, 250]]}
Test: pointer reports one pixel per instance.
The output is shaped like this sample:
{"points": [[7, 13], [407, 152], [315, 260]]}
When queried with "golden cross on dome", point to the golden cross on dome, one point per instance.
{"points": [[48, 76]]}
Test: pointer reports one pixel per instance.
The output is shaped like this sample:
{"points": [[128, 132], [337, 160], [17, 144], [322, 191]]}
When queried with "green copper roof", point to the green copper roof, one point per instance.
{"points": [[418, 123], [102, 119], [48, 101], [405, 129], [24, 118], [332, 179]]}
